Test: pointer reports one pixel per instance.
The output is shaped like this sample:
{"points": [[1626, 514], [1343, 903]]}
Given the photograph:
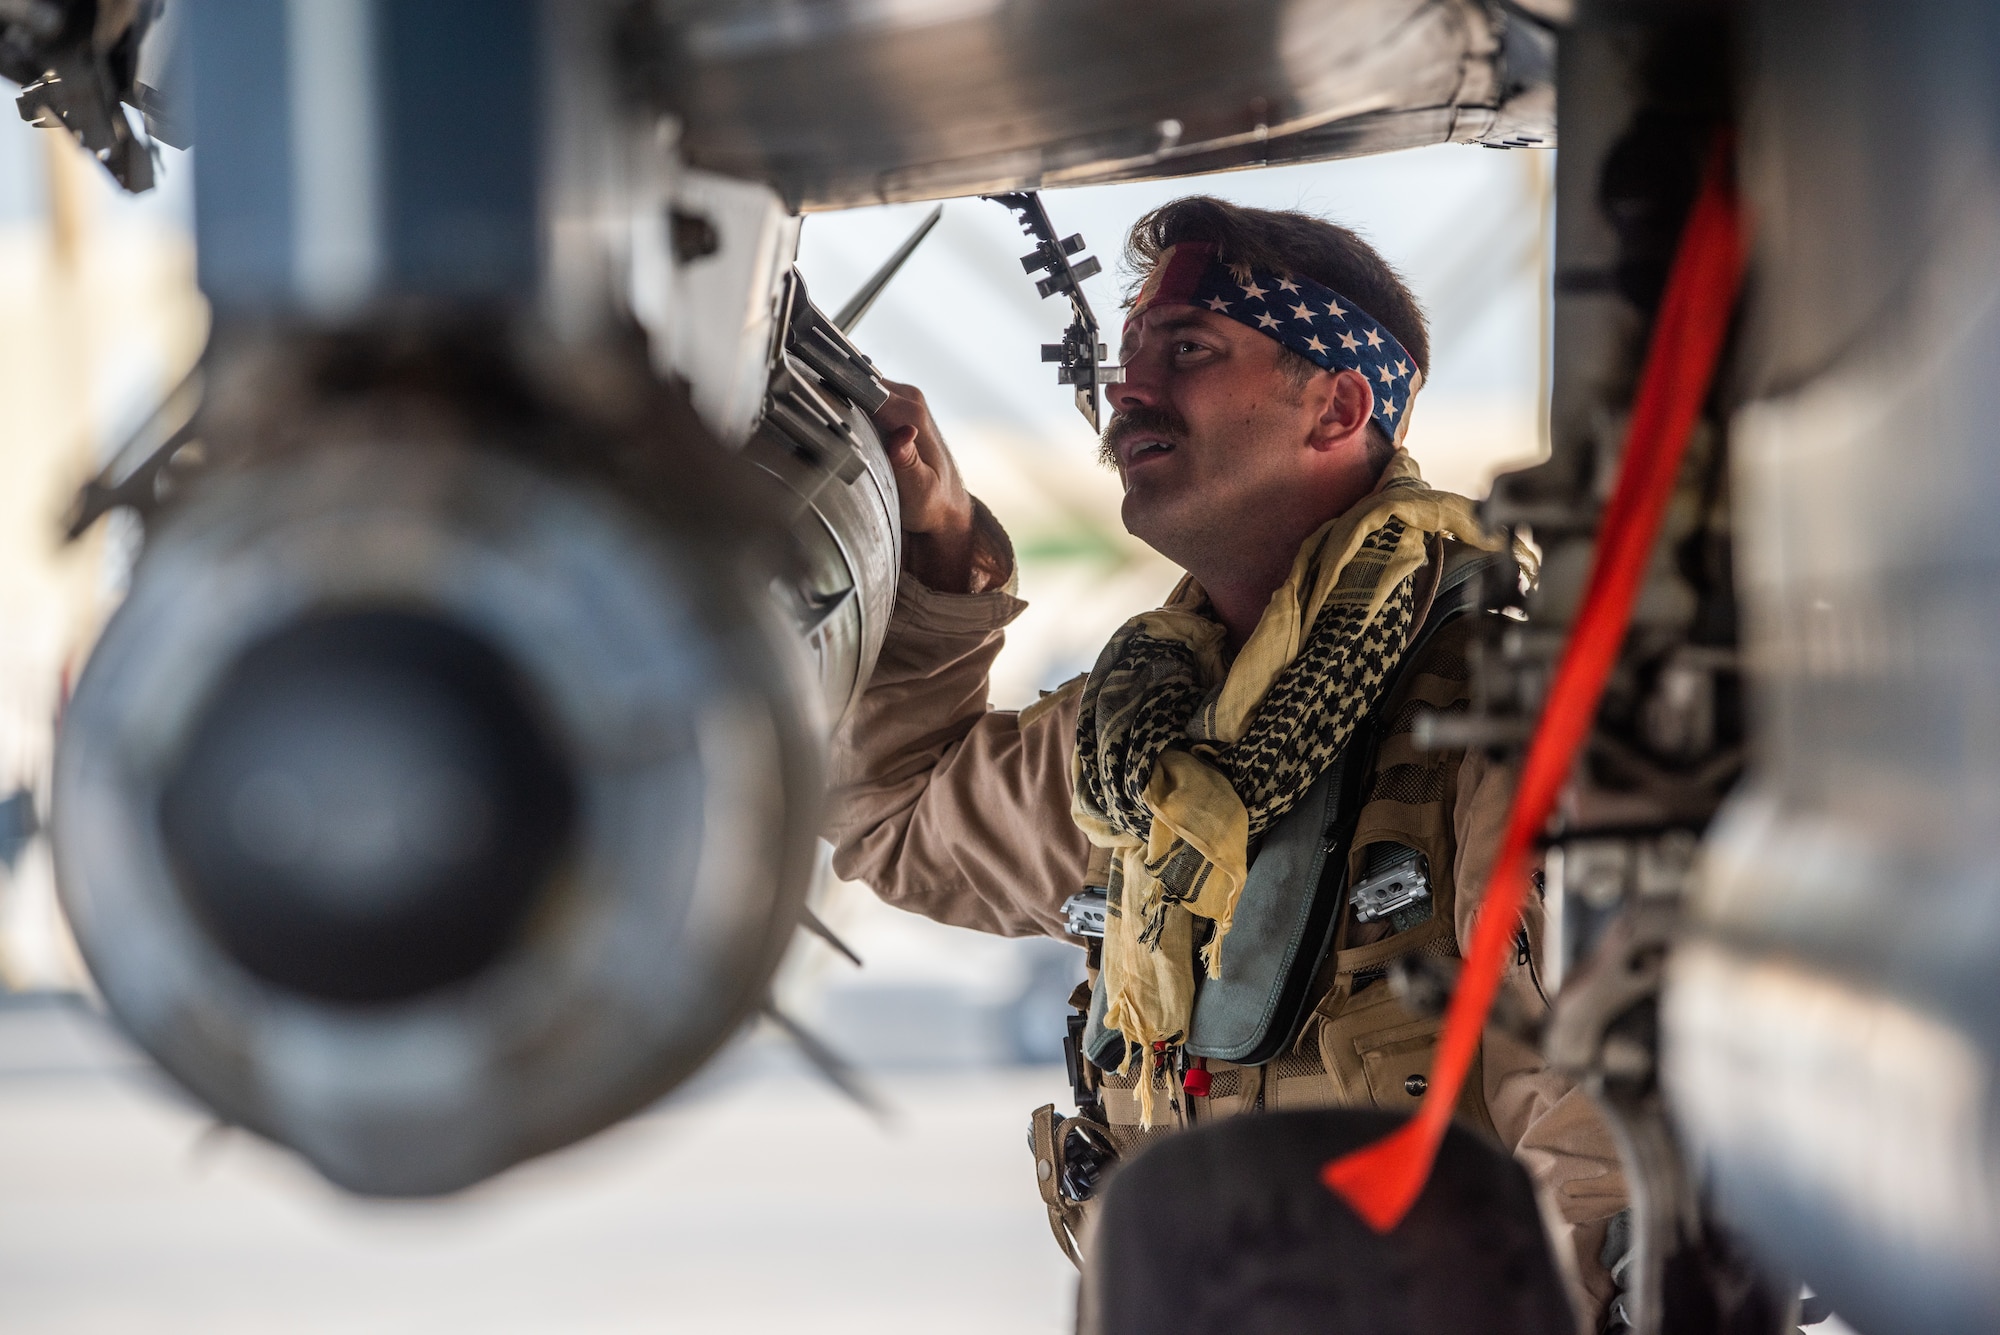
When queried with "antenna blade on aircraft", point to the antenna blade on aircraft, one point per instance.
{"points": [[838, 1071], [858, 304], [815, 924]]}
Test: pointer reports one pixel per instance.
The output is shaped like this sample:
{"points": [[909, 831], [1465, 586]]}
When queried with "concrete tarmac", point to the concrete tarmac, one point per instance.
{"points": [[755, 1201]]}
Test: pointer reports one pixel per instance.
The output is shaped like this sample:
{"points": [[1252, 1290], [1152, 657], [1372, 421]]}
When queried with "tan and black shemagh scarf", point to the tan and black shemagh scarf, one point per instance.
{"points": [[1183, 760]]}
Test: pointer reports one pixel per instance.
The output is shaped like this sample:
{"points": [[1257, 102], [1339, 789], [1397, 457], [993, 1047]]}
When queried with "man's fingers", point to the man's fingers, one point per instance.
{"points": [[902, 419], [901, 447], [931, 497]]}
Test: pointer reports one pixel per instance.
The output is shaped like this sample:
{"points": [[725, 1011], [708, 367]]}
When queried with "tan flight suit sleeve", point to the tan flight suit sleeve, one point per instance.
{"points": [[1551, 1126], [941, 804]]}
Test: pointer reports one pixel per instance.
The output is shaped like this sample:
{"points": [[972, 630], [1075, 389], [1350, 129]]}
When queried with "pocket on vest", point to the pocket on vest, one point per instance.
{"points": [[1381, 1055], [1398, 1071]]}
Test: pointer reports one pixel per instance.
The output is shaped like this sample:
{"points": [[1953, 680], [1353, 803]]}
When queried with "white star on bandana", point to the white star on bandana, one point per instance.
{"points": [[1352, 341]]}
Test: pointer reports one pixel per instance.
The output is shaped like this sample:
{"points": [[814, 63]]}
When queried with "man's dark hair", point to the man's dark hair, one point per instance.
{"points": [[1289, 242]]}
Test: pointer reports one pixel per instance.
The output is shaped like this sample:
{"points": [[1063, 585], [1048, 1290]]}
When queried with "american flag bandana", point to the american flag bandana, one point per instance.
{"points": [[1314, 321]]}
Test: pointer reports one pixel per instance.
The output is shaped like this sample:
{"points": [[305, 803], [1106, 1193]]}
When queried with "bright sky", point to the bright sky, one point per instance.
{"points": [[1465, 226]]}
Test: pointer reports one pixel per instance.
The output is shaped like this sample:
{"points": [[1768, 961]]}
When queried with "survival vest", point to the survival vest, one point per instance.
{"points": [[1303, 1016]]}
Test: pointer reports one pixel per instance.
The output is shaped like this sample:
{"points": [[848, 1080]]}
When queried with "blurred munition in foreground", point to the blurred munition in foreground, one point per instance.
{"points": [[426, 808], [445, 787]]}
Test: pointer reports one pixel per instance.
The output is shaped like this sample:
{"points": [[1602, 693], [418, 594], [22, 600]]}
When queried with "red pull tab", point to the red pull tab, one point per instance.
{"points": [[1382, 1181]]}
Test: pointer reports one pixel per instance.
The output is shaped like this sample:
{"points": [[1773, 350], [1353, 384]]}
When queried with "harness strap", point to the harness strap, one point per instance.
{"points": [[1065, 1217]]}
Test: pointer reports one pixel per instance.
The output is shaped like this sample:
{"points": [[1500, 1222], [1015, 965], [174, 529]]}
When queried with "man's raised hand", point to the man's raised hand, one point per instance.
{"points": [[938, 540]]}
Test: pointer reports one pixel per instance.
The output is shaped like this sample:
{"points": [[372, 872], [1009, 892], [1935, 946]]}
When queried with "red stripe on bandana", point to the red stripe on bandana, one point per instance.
{"points": [[1174, 278]]}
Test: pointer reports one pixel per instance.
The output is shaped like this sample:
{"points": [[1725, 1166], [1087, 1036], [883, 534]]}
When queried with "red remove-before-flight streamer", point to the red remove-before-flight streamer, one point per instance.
{"points": [[1383, 1180]]}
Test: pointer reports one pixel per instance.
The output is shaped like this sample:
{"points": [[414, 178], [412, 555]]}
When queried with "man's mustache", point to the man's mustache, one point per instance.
{"points": [[1143, 420]]}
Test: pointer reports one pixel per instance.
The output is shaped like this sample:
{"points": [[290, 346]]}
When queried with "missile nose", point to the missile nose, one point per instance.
{"points": [[424, 809], [368, 807]]}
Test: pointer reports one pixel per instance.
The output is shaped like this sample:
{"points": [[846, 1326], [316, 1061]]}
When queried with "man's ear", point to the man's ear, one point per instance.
{"points": [[1346, 405]]}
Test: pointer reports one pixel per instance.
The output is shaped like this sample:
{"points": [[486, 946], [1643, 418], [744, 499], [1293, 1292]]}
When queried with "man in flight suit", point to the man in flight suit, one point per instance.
{"points": [[1271, 361]]}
